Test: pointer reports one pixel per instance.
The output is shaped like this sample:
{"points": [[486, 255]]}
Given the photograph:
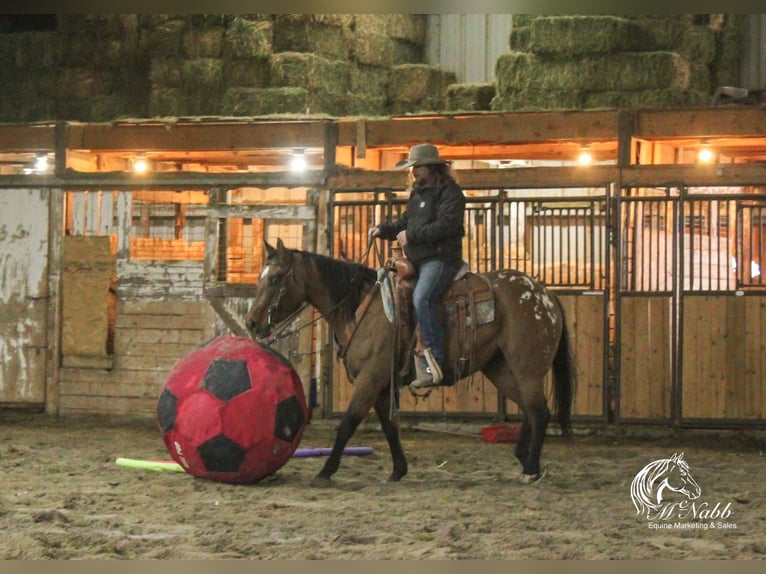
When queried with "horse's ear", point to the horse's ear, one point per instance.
{"points": [[280, 244], [269, 249]]}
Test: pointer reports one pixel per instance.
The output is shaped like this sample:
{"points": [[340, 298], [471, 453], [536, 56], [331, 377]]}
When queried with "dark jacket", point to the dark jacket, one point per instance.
{"points": [[434, 223]]}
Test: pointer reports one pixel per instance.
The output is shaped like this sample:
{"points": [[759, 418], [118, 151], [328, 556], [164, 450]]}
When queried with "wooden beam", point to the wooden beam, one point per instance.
{"points": [[197, 136], [550, 177], [166, 180], [28, 138], [484, 129], [701, 122]]}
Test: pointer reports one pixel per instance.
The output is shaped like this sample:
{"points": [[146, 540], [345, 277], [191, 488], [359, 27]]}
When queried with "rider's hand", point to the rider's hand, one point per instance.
{"points": [[373, 232], [401, 237]]}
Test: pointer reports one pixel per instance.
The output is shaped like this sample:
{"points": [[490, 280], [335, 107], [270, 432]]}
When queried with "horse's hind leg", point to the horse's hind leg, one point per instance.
{"points": [[391, 431], [531, 400]]}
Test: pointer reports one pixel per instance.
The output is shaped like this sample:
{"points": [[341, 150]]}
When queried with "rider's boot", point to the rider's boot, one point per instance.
{"points": [[428, 372]]}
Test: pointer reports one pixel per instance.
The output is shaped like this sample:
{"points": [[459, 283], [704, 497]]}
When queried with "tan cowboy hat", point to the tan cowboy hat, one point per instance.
{"points": [[421, 154]]}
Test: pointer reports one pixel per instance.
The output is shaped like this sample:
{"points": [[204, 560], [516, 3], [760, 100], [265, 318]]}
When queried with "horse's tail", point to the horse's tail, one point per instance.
{"points": [[565, 378]]}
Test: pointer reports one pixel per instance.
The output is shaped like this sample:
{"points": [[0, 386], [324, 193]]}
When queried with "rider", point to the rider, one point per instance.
{"points": [[430, 231]]}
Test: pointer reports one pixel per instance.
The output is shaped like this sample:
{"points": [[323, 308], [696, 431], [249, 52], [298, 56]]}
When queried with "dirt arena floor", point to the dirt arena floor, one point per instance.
{"points": [[63, 497]]}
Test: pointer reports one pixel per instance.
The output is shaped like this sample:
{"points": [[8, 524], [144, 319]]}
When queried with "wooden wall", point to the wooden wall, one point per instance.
{"points": [[724, 364]]}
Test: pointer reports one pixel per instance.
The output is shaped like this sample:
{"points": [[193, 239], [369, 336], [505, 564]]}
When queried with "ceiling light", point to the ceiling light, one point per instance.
{"points": [[298, 160], [140, 165], [585, 157], [705, 154], [41, 164]]}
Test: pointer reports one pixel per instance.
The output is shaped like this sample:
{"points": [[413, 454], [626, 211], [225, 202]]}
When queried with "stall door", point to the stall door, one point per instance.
{"points": [[23, 296]]}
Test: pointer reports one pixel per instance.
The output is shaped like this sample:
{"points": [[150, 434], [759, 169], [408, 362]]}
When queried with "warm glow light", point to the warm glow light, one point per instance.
{"points": [[585, 158], [298, 161], [705, 155], [140, 165], [41, 164]]}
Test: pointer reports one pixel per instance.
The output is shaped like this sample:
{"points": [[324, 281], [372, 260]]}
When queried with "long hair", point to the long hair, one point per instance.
{"points": [[441, 172]]}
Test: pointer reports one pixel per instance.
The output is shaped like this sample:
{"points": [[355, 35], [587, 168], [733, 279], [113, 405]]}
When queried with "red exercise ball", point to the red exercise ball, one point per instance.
{"points": [[232, 410]]}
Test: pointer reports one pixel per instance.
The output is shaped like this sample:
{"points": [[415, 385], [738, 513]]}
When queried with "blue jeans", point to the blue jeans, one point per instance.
{"points": [[433, 279]]}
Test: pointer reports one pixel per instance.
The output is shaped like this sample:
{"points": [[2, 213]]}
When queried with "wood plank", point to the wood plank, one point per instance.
{"points": [[701, 122], [113, 389], [631, 327], [735, 357], [87, 405], [164, 307], [483, 128], [154, 378]]}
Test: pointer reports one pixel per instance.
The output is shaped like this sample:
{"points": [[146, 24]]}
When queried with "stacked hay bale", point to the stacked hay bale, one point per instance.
{"points": [[102, 75], [28, 61], [583, 62], [186, 71]]}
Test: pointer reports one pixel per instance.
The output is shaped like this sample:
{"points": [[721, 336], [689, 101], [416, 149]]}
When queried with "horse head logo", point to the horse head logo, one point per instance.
{"points": [[649, 487]]}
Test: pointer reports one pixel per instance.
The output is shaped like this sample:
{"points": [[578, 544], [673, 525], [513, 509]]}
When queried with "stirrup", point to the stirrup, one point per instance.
{"points": [[433, 366]]}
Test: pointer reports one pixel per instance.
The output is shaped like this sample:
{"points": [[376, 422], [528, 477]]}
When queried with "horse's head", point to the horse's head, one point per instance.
{"points": [[678, 478], [278, 293]]}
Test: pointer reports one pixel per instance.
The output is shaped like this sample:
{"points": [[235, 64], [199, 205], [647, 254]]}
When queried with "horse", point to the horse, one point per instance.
{"points": [[526, 339], [648, 487]]}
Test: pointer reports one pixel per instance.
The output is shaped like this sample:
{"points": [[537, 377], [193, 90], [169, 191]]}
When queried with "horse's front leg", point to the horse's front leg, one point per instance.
{"points": [[360, 404], [391, 431]]}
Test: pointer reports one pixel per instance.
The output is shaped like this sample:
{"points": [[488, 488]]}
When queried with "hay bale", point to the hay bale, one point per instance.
{"points": [[470, 97], [368, 81], [204, 41], [81, 83], [107, 107], [418, 82], [366, 104], [408, 27], [303, 33], [525, 99], [164, 101], [247, 39], [728, 60], [567, 36], [264, 101], [664, 32], [165, 72], [164, 39], [697, 44], [621, 71], [374, 49], [645, 99], [520, 39], [202, 75], [250, 73], [523, 20], [309, 71]]}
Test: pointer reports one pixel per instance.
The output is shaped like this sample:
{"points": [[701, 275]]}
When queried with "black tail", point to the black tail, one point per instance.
{"points": [[565, 379]]}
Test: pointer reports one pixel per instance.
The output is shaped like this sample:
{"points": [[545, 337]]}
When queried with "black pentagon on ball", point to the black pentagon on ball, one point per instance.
{"points": [[226, 378], [166, 410], [221, 454], [289, 419]]}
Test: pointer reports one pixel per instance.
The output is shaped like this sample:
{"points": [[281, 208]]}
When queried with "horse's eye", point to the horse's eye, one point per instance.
{"points": [[273, 280]]}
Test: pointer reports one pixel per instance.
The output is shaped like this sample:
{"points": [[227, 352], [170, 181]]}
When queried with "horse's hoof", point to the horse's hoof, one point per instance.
{"points": [[531, 478], [321, 481]]}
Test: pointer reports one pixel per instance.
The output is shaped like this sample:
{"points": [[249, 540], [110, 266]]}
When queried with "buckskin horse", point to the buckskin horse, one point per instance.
{"points": [[526, 337]]}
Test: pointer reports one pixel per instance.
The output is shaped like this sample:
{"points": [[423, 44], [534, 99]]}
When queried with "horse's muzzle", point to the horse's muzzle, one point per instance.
{"points": [[258, 331]]}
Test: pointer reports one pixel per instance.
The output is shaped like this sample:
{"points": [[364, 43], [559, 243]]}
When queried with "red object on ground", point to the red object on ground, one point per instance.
{"points": [[501, 433], [232, 410]]}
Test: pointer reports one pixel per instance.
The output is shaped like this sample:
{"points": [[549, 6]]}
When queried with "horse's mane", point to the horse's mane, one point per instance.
{"points": [[345, 281]]}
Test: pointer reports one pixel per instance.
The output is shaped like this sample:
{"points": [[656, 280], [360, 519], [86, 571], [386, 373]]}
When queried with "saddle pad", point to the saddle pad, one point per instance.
{"points": [[386, 294]]}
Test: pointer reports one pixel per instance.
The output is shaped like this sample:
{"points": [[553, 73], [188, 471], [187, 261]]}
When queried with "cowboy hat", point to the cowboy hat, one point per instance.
{"points": [[421, 154]]}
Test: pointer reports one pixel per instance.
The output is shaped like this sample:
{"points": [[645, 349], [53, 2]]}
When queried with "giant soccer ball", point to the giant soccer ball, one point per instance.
{"points": [[232, 410]]}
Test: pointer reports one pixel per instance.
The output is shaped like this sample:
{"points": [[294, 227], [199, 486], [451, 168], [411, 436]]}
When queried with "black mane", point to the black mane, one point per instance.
{"points": [[346, 282]]}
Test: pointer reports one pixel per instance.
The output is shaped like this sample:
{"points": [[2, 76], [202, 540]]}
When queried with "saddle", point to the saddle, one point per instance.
{"points": [[468, 302]]}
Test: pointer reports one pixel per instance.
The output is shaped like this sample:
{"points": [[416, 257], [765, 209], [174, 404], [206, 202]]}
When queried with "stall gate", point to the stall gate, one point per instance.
{"points": [[662, 288], [690, 307], [561, 241]]}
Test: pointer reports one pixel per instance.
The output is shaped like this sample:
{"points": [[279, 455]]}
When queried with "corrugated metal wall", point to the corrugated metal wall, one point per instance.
{"points": [[468, 44], [753, 73]]}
